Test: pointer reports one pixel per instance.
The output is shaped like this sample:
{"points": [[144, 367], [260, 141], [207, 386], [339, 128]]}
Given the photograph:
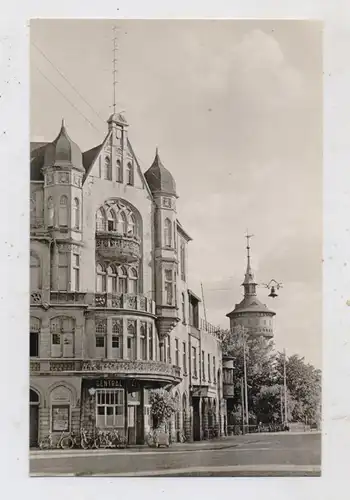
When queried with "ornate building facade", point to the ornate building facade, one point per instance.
{"points": [[111, 314]]}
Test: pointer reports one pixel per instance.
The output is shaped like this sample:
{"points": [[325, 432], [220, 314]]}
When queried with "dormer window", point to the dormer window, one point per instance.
{"points": [[107, 169], [119, 176], [130, 174]]}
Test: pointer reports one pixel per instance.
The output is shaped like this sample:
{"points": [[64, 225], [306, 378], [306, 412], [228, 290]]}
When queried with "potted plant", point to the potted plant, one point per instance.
{"points": [[163, 406]]}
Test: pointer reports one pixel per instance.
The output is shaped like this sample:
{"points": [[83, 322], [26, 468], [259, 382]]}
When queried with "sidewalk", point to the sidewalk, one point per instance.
{"points": [[213, 444]]}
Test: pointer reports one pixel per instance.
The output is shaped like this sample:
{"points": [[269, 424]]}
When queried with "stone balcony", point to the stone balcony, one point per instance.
{"points": [[124, 301], [37, 223], [145, 370], [118, 247], [99, 300], [68, 298]]}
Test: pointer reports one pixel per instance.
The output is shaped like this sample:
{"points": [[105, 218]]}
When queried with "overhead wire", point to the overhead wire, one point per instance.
{"points": [[66, 79]]}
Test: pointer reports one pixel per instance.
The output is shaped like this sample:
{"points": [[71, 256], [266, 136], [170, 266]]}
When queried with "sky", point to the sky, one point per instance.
{"points": [[235, 108]]}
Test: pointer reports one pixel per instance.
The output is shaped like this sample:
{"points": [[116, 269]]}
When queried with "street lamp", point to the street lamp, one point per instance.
{"points": [[272, 285]]}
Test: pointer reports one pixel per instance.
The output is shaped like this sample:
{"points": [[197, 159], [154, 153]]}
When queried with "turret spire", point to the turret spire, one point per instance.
{"points": [[249, 281], [115, 49]]}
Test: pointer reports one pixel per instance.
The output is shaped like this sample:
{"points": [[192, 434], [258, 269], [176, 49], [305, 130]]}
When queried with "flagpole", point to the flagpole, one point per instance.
{"points": [[245, 378], [243, 410], [285, 387]]}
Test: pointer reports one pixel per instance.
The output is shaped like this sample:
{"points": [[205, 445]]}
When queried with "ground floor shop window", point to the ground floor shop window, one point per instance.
{"points": [[110, 408]]}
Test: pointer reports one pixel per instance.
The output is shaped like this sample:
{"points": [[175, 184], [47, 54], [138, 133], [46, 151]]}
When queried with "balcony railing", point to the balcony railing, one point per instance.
{"points": [[125, 301], [106, 300], [156, 370], [120, 247], [68, 298], [209, 328], [37, 223]]}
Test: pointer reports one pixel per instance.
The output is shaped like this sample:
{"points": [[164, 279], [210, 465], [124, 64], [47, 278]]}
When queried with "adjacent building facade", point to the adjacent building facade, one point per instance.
{"points": [[111, 314]]}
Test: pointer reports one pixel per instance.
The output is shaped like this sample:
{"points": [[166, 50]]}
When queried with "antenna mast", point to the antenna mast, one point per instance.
{"points": [[115, 60], [204, 309]]}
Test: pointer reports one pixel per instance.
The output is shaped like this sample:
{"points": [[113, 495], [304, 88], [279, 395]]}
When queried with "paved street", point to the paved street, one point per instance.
{"points": [[252, 455]]}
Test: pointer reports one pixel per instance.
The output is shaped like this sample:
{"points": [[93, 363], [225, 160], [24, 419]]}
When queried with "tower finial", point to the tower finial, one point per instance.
{"points": [[63, 124], [248, 236], [115, 60], [249, 281]]}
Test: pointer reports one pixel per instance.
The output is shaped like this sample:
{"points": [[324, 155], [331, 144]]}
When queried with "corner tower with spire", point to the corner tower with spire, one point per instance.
{"points": [[250, 313], [163, 188]]}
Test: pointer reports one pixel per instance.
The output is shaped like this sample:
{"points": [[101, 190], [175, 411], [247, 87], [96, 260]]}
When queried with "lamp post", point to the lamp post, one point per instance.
{"points": [[272, 285], [285, 388]]}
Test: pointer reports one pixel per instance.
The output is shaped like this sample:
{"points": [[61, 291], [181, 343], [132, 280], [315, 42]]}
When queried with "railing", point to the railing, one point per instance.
{"points": [[67, 297], [125, 301], [124, 247], [107, 300], [37, 222], [132, 368], [209, 328]]}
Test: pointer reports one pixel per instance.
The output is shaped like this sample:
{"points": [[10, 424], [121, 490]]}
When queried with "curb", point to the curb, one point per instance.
{"points": [[115, 451]]}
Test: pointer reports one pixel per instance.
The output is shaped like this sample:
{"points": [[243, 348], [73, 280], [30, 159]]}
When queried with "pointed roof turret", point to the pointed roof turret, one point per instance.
{"points": [[63, 151], [249, 275], [159, 178], [250, 302]]}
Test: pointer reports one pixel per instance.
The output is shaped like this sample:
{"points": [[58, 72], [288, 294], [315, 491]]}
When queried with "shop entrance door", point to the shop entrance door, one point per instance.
{"points": [[33, 419], [131, 424], [196, 420]]}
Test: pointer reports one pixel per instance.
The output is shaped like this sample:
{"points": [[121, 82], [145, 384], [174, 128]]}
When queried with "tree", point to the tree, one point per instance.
{"points": [[163, 405], [304, 384], [260, 363], [265, 379]]}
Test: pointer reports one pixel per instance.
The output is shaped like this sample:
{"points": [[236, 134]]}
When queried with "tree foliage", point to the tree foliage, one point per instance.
{"points": [[264, 367]]}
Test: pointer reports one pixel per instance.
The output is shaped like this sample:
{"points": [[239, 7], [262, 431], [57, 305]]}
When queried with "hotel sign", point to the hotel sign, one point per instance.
{"points": [[107, 383]]}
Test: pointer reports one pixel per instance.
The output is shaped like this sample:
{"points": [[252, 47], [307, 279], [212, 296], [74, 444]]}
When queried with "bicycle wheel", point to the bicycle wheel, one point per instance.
{"points": [[44, 444], [67, 443]]}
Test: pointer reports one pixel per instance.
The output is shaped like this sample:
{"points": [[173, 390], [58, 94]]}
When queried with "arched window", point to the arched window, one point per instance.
{"points": [[131, 334], [178, 412], [167, 233], [119, 176], [107, 169], [63, 213], [123, 223], [33, 397], [132, 229], [100, 279], [100, 220], [122, 280], [133, 281], [111, 280], [112, 221], [143, 340], [35, 272], [76, 213], [34, 332], [50, 212], [130, 174]]}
